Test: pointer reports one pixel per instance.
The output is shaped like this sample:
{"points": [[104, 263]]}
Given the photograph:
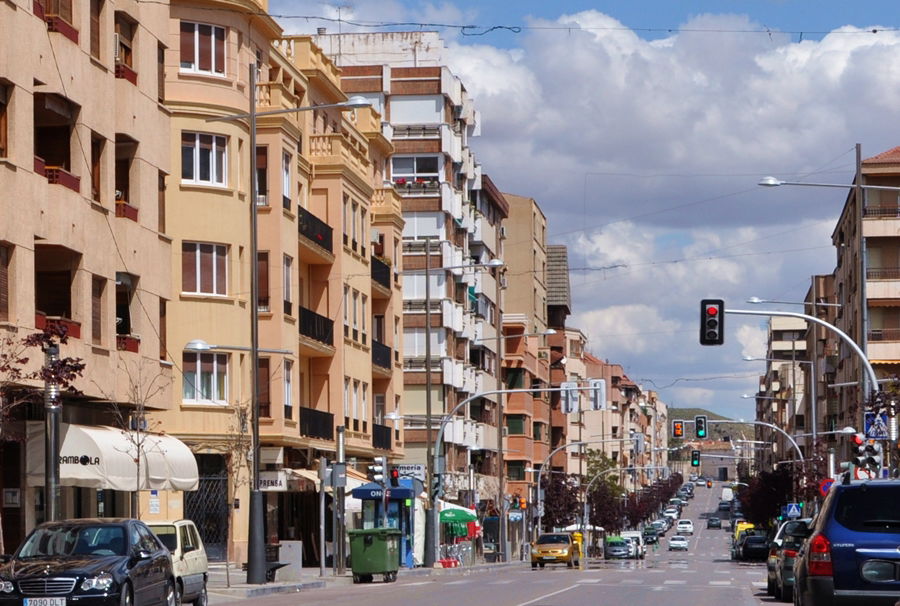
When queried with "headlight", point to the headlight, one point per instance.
{"points": [[6, 587], [102, 581], [564, 552], [534, 550]]}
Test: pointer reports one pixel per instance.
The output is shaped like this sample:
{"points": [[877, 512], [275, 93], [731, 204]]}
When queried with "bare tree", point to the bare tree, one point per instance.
{"points": [[20, 380]]}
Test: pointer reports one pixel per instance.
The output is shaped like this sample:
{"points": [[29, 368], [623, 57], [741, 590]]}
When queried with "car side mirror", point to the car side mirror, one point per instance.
{"points": [[138, 554]]}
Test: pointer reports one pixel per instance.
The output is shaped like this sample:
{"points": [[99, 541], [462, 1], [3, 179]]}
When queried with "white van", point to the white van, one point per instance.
{"points": [[637, 538], [727, 494]]}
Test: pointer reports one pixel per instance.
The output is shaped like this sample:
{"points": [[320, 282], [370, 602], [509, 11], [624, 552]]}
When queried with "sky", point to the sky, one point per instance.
{"points": [[642, 129]]}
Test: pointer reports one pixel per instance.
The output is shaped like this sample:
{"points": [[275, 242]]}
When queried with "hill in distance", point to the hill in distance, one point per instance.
{"points": [[717, 431]]}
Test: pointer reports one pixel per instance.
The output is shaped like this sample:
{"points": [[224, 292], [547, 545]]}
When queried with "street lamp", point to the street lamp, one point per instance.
{"points": [[256, 542], [758, 301]]}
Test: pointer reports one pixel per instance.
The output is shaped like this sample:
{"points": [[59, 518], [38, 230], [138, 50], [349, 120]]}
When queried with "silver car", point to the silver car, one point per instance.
{"points": [[616, 549]]}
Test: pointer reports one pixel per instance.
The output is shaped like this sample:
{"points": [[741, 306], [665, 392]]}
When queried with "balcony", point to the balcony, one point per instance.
{"points": [[315, 237], [316, 334], [381, 276], [883, 273], [381, 436], [316, 424], [381, 356], [130, 343]]}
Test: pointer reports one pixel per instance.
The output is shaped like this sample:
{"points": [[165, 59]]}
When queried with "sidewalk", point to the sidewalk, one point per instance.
{"points": [[220, 592]]}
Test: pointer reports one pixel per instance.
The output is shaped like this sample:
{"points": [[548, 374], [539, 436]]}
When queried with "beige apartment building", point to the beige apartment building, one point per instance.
{"points": [[85, 244]]}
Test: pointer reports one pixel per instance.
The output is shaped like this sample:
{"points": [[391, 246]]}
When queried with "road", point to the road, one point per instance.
{"points": [[702, 576]]}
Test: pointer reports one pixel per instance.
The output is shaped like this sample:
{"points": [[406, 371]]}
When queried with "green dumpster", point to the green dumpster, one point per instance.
{"points": [[374, 551]]}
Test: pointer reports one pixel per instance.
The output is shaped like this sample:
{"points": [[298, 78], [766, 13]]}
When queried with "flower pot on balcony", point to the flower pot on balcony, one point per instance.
{"points": [[130, 343]]}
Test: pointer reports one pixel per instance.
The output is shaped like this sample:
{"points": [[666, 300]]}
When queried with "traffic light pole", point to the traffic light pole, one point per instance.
{"points": [[764, 424]]}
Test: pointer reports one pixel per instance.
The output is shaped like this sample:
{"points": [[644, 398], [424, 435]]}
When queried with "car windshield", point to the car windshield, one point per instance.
{"points": [[552, 539], [616, 544], [869, 509], [105, 540], [168, 534]]}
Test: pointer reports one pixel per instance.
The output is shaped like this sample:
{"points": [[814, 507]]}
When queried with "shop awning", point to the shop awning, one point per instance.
{"points": [[106, 458], [450, 512]]}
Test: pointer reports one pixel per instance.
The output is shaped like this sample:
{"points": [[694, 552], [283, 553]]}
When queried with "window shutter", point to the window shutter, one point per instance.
{"points": [[95, 27], [187, 44], [220, 50], [262, 380], [205, 47], [97, 309], [206, 268], [4, 283], [161, 73], [163, 343], [189, 267], [221, 271], [262, 265], [161, 202]]}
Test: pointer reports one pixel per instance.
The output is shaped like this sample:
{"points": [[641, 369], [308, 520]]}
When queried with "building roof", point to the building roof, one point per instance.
{"points": [[891, 156], [558, 292], [494, 194]]}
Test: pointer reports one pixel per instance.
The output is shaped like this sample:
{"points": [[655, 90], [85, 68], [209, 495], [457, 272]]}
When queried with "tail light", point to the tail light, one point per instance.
{"points": [[790, 553], [773, 552], [820, 557]]}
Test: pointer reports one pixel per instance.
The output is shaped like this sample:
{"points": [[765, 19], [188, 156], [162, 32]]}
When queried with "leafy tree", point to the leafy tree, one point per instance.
{"points": [[560, 500], [606, 507], [764, 497]]}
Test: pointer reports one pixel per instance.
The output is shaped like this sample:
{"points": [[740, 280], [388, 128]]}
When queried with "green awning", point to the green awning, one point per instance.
{"points": [[458, 515]]}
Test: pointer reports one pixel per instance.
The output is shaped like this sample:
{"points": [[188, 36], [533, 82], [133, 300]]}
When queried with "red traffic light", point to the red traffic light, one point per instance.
{"points": [[712, 310], [858, 439]]}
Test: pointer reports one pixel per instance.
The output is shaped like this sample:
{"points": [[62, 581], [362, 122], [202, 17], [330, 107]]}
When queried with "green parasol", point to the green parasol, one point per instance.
{"points": [[458, 515]]}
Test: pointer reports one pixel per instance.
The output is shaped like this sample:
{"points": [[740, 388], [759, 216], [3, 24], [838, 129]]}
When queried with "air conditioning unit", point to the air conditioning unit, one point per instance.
{"points": [[116, 47], [502, 231]]}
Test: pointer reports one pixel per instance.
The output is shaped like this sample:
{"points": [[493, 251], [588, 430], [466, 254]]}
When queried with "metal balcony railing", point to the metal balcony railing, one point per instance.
{"points": [[314, 228], [884, 334], [381, 354], [883, 273], [882, 211], [316, 424], [381, 436], [381, 272], [316, 327]]}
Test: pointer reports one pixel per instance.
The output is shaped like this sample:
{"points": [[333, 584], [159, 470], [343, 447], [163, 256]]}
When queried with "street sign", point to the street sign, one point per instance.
{"points": [[792, 510], [825, 486], [411, 470], [570, 401], [876, 426]]}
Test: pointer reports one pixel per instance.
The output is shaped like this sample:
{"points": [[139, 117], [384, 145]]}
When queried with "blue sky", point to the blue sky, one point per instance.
{"points": [[644, 149]]}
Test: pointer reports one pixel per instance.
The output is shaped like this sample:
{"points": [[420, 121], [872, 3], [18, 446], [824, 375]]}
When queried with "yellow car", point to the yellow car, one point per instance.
{"points": [[555, 548]]}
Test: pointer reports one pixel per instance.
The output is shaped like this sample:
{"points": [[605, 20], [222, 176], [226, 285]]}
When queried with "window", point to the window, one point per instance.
{"points": [[160, 72], [537, 433], [364, 409], [355, 314], [262, 279], [4, 282], [515, 471], [262, 179], [363, 230], [353, 225], [98, 283], [161, 201], [163, 350], [346, 400], [202, 48], [355, 411], [363, 314], [124, 40], [286, 180], [421, 225], [346, 215], [288, 389], [96, 9], [286, 284], [205, 377], [97, 145], [346, 310], [4, 119], [203, 268], [414, 342], [410, 169], [515, 425], [263, 379], [203, 158]]}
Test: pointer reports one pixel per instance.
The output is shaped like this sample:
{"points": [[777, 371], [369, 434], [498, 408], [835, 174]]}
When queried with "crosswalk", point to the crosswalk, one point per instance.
{"points": [[734, 581]]}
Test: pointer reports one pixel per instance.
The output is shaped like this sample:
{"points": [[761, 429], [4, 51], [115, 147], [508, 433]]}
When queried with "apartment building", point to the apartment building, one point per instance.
{"points": [[328, 271], [526, 359], [453, 216], [84, 245], [559, 307], [821, 406]]}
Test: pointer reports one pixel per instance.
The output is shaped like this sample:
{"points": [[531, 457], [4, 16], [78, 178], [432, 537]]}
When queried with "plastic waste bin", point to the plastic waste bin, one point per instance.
{"points": [[374, 551]]}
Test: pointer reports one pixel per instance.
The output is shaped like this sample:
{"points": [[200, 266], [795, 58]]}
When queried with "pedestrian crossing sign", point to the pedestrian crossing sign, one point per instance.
{"points": [[793, 510]]}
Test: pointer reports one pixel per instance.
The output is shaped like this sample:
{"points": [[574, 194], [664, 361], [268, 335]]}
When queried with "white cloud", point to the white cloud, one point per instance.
{"points": [[752, 340], [632, 328]]}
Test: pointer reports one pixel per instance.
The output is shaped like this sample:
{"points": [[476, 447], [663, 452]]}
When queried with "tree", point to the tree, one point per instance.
{"points": [[21, 379], [606, 507], [764, 497], [560, 500]]}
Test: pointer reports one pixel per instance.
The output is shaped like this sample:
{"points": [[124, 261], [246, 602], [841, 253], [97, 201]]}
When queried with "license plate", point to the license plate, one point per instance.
{"points": [[549, 557], [45, 602]]}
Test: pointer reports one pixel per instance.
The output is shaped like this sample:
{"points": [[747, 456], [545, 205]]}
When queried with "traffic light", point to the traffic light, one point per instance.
{"points": [[598, 393], [437, 488], [395, 477], [523, 503], [709, 483], [712, 322], [695, 458], [700, 427], [376, 470], [858, 449], [569, 392], [678, 429], [873, 456]]}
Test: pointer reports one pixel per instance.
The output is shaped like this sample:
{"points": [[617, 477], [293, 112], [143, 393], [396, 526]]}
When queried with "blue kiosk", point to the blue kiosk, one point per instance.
{"points": [[400, 512]]}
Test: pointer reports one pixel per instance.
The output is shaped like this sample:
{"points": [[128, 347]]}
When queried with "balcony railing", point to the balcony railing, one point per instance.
{"points": [[882, 211], [381, 272], [883, 273], [381, 354], [316, 424], [381, 436], [885, 334], [314, 228], [316, 327]]}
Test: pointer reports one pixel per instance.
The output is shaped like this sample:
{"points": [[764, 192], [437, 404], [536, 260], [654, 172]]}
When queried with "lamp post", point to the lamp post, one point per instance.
{"points": [[430, 451], [256, 545]]}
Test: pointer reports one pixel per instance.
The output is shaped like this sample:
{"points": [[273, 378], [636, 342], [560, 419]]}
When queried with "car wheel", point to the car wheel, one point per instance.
{"points": [[770, 586], [171, 596], [570, 563], [203, 598], [126, 598], [787, 594], [778, 592], [542, 564], [534, 565]]}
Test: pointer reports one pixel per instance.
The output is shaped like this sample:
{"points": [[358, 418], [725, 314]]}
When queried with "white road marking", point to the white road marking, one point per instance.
{"points": [[722, 571], [720, 582], [456, 582], [759, 584], [418, 583], [507, 582], [632, 582], [547, 595], [674, 582], [589, 580]]}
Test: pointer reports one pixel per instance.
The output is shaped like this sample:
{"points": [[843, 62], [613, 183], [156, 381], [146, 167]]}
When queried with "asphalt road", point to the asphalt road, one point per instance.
{"points": [[702, 576]]}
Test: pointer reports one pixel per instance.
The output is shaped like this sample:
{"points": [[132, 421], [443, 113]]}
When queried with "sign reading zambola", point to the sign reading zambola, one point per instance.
{"points": [[76, 460]]}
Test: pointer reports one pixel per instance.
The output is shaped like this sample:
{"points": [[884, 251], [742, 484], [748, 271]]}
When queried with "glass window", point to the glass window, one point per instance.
{"points": [[515, 424], [406, 169], [205, 377], [202, 48], [288, 385], [869, 508], [203, 158], [204, 268]]}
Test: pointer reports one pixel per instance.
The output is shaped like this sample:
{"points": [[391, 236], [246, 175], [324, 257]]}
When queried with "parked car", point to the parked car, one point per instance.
{"points": [[684, 527], [637, 539], [851, 555], [785, 557], [678, 543], [754, 547], [615, 548], [89, 561], [189, 560], [651, 535], [555, 547], [725, 506], [713, 522], [785, 530]]}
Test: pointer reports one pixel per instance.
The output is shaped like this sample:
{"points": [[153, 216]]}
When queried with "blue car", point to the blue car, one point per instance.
{"points": [[852, 554]]}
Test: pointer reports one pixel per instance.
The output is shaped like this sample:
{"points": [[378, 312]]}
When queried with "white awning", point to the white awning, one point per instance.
{"points": [[106, 458], [351, 505]]}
